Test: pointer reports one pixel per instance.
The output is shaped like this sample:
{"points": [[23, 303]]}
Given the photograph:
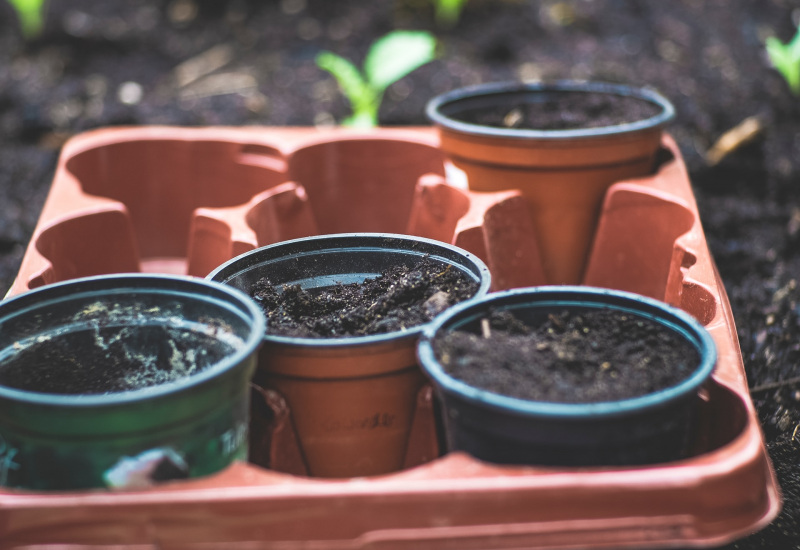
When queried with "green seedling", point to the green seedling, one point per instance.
{"points": [[448, 12], [389, 59], [31, 16], [786, 59]]}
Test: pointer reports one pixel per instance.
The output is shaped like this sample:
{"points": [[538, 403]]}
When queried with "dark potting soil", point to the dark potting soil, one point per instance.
{"points": [[109, 360], [586, 357], [564, 111], [399, 298]]}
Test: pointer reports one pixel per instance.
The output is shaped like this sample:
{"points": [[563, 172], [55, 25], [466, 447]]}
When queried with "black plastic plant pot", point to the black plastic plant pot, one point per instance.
{"points": [[652, 428], [352, 398], [124, 381]]}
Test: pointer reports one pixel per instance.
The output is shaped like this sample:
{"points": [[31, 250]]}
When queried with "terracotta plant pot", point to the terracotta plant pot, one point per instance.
{"points": [[352, 399], [157, 385], [563, 174], [642, 429]]}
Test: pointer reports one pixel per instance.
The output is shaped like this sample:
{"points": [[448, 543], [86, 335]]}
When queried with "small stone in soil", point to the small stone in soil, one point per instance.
{"points": [[399, 298], [587, 357]]}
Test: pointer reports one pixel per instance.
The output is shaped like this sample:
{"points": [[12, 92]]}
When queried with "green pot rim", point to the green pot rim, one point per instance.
{"points": [[108, 285]]}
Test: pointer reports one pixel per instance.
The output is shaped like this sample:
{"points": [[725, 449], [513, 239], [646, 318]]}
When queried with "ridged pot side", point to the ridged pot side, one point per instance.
{"points": [[563, 174]]}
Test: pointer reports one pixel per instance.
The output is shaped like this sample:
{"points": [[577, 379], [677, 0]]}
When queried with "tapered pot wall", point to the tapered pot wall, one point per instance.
{"points": [[352, 399], [563, 174], [356, 425], [648, 429], [189, 426]]}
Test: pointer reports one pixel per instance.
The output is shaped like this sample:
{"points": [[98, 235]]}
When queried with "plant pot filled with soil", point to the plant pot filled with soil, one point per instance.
{"points": [[568, 376], [344, 313], [561, 144], [123, 381]]}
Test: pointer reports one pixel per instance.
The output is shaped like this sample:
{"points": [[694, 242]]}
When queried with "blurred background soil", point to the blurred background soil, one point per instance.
{"points": [[101, 63]]}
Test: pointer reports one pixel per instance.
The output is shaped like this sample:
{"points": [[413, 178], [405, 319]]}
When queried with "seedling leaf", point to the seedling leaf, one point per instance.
{"points": [[794, 45], [389, 59], [347, 76], [361, 119], [786, 59], [31, 16], [395, 55], [448, 12]]}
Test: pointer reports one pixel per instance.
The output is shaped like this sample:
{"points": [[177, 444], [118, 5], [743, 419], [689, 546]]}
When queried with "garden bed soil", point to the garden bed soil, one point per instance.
{"points": [[563, 111], [398, 299], [572, 357], [118, 63]]}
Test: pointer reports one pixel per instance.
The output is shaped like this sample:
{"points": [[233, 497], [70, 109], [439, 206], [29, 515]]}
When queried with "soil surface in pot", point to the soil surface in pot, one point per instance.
{"points": [[400, 298], [573, 357], [563, 111], [109, 360]]}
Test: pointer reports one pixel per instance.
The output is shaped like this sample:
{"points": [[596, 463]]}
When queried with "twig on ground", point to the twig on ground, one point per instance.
{"points": [[775, 385]]}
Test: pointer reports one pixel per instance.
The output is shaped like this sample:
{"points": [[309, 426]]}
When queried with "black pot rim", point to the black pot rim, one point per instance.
{"points": [[673, 317], [320, 243], [437, 107], [117, 284]]}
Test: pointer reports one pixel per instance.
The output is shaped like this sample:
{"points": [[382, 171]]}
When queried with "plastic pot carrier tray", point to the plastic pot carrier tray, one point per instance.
{"points": [[177, 200]]}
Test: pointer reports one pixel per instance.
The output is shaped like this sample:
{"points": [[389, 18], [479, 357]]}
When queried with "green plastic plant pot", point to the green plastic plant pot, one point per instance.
{"points": [[187, 348], [352, 399], [649, 429]]}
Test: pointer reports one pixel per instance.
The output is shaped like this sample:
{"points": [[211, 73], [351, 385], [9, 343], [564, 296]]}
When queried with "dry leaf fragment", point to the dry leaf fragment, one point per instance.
{"points": [[742, 134], [203, 64]]}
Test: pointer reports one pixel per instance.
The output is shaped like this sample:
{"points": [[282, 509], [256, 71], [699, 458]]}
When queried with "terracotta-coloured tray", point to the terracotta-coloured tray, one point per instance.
{"points": [[184, 200]]}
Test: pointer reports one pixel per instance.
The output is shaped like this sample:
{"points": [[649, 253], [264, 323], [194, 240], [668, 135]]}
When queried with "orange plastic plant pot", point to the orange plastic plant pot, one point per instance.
{"points": [[563, 174], [352, 399], [349, 423]]}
